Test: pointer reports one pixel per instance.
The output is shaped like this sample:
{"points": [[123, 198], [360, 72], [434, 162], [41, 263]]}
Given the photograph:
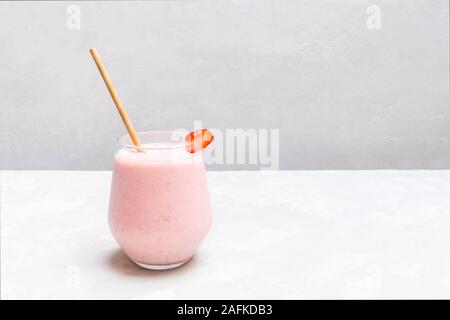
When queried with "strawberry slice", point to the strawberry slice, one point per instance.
{"points": [[198, 140]]}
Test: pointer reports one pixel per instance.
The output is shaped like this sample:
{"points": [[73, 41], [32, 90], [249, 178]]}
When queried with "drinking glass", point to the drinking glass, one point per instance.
{"points": [[159, 208]]}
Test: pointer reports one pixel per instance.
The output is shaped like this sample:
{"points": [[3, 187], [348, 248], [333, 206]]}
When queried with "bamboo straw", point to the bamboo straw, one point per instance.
{"points": [[115, 97]]}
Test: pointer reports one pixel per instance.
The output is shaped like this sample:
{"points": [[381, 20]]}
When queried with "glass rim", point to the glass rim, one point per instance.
{"points": [[125, 141]]}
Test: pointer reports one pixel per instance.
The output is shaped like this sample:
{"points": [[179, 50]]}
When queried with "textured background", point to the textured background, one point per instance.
{"points": [[343, 96]]}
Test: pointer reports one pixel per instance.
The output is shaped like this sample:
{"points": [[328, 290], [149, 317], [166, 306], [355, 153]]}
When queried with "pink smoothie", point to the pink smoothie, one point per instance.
{"points": [[159, 205]]}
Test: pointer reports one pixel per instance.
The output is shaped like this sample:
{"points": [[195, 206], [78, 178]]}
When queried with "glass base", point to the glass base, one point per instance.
{"points": [[160, 266]]}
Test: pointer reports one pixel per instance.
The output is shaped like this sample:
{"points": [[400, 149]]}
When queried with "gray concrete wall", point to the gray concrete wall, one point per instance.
{"points": [[342, 95]]}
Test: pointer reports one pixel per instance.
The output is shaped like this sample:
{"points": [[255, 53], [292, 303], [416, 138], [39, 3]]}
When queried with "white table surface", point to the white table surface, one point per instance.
{"points": [[275, 235]]}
